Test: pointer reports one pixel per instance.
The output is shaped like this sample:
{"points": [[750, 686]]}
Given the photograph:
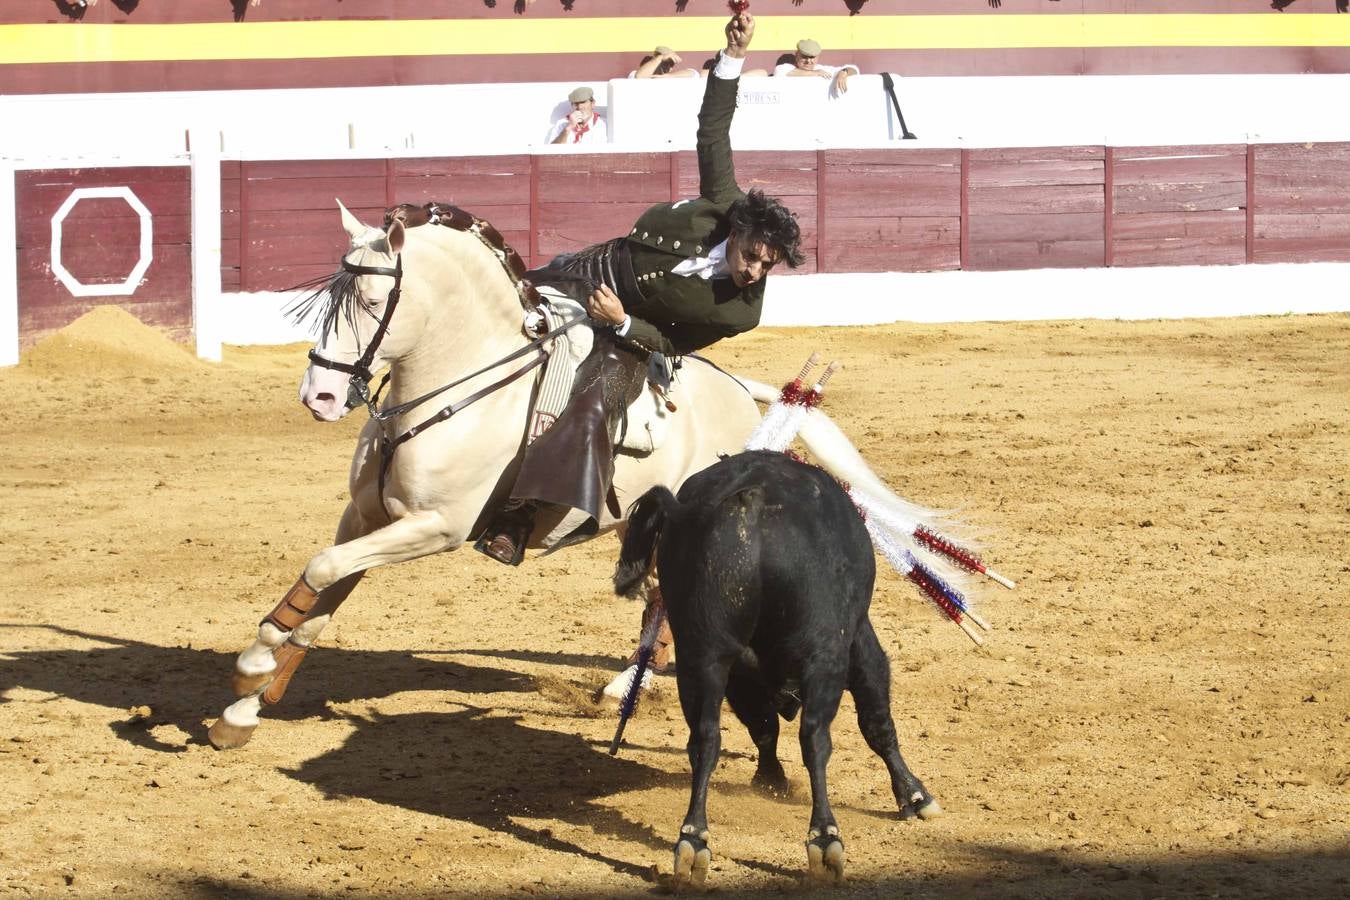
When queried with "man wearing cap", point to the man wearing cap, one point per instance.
{"points": [[806, 64], [583, 125], [661, 63], [688, 274]]}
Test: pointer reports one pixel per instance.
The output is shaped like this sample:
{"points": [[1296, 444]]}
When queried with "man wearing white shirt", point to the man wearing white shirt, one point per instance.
{"points": [[806, 64], [583, 125]]}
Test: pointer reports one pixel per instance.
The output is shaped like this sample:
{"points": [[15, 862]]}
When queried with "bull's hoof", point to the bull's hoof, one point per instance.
{"points": [[825, 856], [921, 806], [245, 685], [692, 858], [224, 736]]}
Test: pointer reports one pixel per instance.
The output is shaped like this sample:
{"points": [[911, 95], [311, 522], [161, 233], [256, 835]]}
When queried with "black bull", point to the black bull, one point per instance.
{"points": [[767, 572]]}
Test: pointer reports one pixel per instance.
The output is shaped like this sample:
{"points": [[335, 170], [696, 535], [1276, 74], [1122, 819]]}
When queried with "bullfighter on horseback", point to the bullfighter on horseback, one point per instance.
{"points": [[687, 275]]}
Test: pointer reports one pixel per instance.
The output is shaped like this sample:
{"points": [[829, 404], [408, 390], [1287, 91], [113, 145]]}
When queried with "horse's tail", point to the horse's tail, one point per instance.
{"points": [[646, 519]]}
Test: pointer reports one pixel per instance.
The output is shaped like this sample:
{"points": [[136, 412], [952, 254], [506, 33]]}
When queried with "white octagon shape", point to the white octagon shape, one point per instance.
{"points": [[73, 284]]}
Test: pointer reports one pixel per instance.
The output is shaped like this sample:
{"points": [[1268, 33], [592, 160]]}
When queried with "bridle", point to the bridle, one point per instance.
{"points": [[358, 373]]}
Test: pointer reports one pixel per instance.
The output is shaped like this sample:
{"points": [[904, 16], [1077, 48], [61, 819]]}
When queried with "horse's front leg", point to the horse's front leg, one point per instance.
{"points": [[263, 671]]}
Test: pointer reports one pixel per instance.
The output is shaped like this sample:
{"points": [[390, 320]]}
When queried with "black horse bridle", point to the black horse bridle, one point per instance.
{"points": [[359, 374]]}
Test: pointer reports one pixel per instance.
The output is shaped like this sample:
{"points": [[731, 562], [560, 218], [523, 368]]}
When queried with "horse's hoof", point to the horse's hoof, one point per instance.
{"points": [[246, 685], [825, 857], [692, 858], [224, 736]]}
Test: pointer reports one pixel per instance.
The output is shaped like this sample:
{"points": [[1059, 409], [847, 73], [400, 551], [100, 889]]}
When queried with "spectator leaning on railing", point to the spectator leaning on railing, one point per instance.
{"points": [[806, 64], [661, 63]]}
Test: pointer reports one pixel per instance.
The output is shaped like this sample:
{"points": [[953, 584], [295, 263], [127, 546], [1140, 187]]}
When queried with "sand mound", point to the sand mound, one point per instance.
{"points": [[108, 339]]}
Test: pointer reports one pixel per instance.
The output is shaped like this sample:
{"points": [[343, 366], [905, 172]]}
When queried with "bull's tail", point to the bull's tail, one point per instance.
{"points": [[646, 518]]}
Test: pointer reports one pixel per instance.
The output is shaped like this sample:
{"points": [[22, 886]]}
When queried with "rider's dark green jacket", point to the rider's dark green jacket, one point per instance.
{"points": [[682, 313]]}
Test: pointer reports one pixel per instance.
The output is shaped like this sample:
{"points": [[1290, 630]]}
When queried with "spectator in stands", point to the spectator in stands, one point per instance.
{"points": [[583, 125], [806, 64], [661, 63]]}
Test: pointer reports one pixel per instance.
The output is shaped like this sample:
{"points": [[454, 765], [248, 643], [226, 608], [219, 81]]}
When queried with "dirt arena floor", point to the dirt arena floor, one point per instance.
{"points": [[1162, 710]]}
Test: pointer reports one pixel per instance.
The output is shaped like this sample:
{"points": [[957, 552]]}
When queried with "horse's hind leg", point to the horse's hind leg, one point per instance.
{"points": [[263, 671], [869, 680]]}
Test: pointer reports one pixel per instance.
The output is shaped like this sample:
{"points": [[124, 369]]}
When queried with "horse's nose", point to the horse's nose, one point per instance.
{"points": [[323, 396]]}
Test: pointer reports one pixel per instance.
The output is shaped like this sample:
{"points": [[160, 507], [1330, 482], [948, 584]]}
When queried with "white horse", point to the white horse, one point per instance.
{"points": [[442, 308]]}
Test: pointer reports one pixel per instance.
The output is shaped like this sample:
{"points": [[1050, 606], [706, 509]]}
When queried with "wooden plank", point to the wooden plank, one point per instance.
{"points": [[602, 188], [894, 156], [924, 194], [1068, 198], [603, 163], [465, 192], [285, 169], [985, 228], [892, 244], [1332, 152], [297, 249], [1187, 239], [1167, 151], [1036, 172], [1035, 255], [1182, 168], [317, 193], [1299, 194], [1032, 154], [1188, 251], [1167, 225], [1172, 196], [462, 166]]}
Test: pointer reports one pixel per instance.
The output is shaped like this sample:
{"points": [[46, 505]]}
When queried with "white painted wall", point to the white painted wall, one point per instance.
{"points": [[154, 128], [659, 115]]}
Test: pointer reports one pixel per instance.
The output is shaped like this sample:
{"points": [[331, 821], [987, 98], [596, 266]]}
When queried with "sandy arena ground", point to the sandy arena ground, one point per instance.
{"points": [[1161, 711]]}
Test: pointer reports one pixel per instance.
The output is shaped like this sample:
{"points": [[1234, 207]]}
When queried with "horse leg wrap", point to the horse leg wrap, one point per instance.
{"points": [[288, 656], [294, 607]]}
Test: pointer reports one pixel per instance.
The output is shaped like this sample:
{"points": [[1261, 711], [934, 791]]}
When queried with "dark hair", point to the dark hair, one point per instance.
{"points": [[665, 66], [760, 219]]}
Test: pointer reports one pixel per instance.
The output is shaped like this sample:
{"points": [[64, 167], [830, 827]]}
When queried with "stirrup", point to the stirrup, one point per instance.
{"points": [[505, 538]]}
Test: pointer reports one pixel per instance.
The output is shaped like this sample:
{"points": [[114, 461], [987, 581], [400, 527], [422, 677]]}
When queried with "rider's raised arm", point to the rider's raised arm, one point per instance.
{"points": [[716, 172]]}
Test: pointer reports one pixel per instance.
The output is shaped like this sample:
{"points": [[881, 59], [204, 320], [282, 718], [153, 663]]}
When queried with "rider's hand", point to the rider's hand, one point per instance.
{"points": [[841, 81], [604, 306], [739, 30]]}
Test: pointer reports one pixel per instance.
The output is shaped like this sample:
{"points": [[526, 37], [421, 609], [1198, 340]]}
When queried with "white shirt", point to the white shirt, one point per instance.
{"points": [[598, 133], [785, 68]]}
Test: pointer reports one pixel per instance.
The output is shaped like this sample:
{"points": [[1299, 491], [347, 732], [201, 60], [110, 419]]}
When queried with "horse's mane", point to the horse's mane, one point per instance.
{"points": [[325, 298]]}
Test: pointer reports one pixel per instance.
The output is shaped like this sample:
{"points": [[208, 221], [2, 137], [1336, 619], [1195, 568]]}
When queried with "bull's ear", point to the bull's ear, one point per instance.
{"points": [[351, 223], [395, 236]]}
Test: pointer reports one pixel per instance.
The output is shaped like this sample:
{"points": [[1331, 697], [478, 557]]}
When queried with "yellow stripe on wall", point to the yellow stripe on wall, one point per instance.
{"points": [[80, 43]]}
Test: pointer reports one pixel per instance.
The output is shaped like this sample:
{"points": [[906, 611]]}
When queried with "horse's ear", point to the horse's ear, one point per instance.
{"points": [[395, 236], [351, 223]]}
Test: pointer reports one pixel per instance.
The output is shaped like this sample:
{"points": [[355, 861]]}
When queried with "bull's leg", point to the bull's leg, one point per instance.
{"points": [[263, 671], [869, 680], [702, 684], [753, 705], [822, 686]]}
